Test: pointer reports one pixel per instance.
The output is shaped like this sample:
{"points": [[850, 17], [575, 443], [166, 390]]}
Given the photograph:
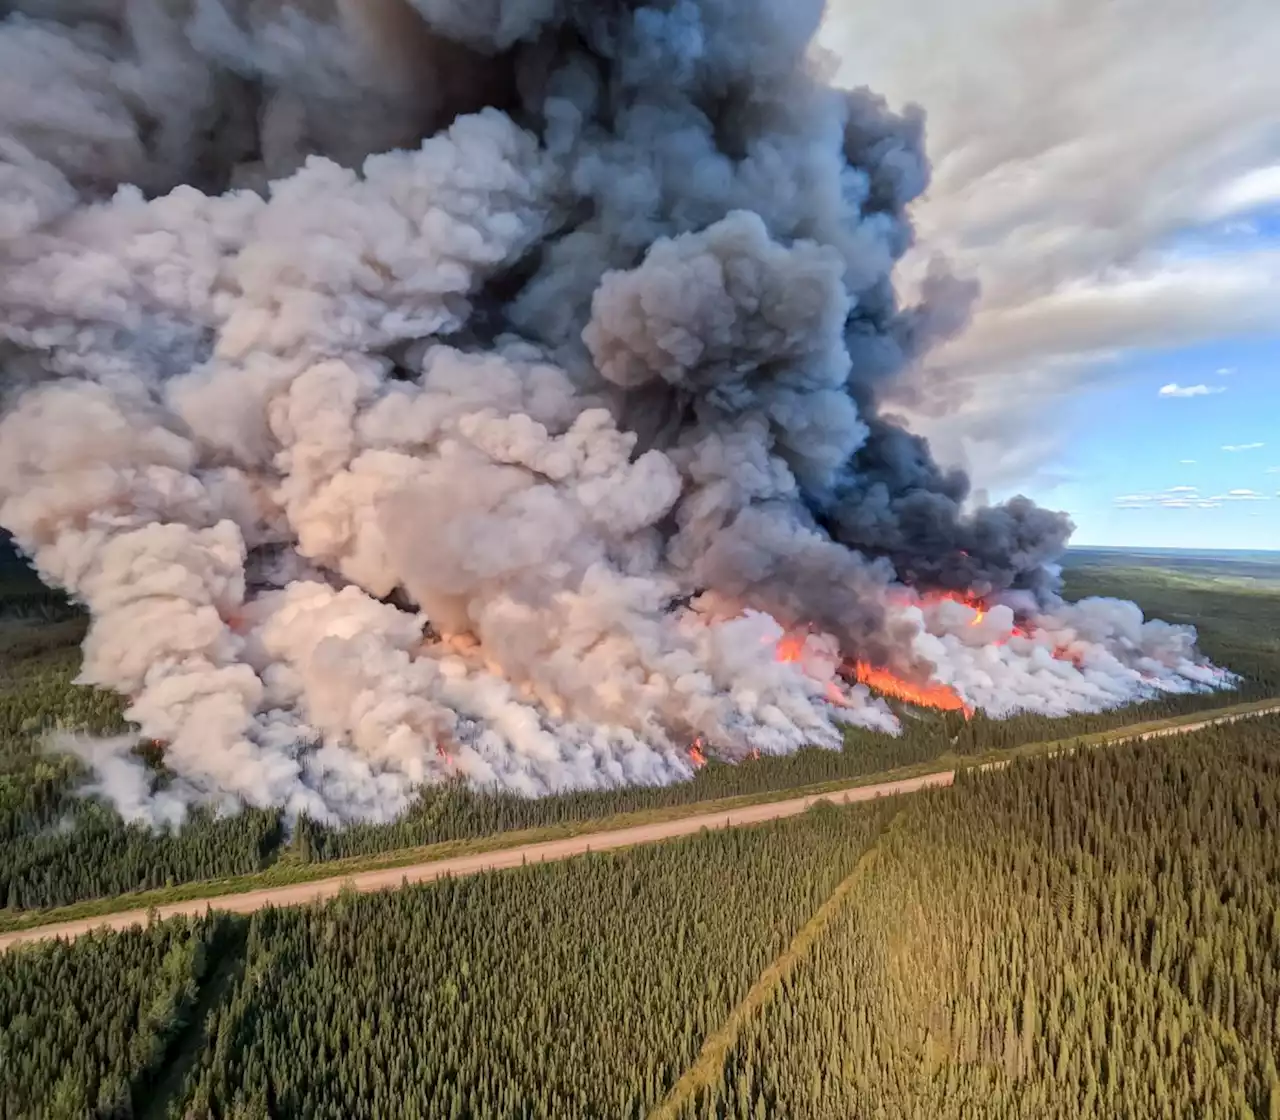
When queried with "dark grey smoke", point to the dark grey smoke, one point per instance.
{"points": [[414, 388]]}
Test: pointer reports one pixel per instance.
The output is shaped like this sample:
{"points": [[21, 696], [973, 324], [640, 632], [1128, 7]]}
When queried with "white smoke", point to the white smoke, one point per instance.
{"points": [[1077, 657], [507, 453]]}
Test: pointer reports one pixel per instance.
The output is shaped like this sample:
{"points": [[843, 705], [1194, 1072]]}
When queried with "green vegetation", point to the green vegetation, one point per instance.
{"points": [[1097, 935], [1091, 934], [85, 1028], [566, 986]]}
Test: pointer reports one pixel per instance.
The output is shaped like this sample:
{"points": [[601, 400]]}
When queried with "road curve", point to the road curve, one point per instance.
{"points": [[300, 893], [386, 879]]}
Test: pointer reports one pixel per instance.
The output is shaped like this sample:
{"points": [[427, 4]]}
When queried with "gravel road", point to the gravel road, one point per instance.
{"points": [[319, 889], [300, 893]]}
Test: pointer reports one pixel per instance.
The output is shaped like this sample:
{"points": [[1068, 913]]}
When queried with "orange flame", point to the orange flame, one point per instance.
{"points": [[790, 648], [978, 606], [965, 597], [696, 756], [926, 696]]}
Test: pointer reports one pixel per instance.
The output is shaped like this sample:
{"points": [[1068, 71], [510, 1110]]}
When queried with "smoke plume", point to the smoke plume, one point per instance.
{"points": [[490, 389]]}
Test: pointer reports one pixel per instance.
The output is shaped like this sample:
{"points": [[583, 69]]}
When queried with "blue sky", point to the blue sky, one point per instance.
{"points": [[1181, 448], [1151, 470]]}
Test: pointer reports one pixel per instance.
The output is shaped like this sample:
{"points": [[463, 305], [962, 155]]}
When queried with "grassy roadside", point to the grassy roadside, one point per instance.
{"points": [[294, 872]]}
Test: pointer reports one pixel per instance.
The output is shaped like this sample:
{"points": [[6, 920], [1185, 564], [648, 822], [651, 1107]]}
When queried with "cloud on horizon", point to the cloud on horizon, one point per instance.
{"points": [[1242, 446], [1185, 497], [1065, 181], [1173, 389]]}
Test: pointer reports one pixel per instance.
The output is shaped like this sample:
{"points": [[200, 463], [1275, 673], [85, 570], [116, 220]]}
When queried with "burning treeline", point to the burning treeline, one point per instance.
{"points": [[425, 389]]}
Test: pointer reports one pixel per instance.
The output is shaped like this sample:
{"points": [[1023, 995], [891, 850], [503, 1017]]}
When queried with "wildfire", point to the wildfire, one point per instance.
{"points": [[926, 696], [966, 597], [1067, 653], [696, 756], [790, 648], [980, 611]]}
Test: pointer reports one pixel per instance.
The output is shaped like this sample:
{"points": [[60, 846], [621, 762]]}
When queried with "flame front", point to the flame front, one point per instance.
{"points": [[696, 755], [926, 696]]}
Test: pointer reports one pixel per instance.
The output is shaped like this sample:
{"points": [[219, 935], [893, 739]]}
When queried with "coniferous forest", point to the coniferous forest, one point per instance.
{"points": [[1092, 936], [1096, 934]]}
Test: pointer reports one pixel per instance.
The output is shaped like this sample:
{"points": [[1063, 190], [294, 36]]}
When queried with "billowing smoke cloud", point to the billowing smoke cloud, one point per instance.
{"points": [[487, 389]]}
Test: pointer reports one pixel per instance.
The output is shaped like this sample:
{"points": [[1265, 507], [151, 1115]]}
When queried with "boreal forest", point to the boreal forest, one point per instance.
{"points": [[1088, 927]]}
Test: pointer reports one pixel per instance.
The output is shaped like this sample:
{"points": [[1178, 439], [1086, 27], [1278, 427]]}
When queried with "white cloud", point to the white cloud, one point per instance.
{"points": [[1251, 191], [1272, 470], [1175, 497], [1062, 180], [1225, 371], [1185, 497], [1187, 462], [1242, 446], [1239, 495], [1173, 389]]}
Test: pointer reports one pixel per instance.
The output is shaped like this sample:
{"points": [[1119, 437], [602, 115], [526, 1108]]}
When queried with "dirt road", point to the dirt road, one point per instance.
{"points": [[319, 889], [1187, 728]]}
